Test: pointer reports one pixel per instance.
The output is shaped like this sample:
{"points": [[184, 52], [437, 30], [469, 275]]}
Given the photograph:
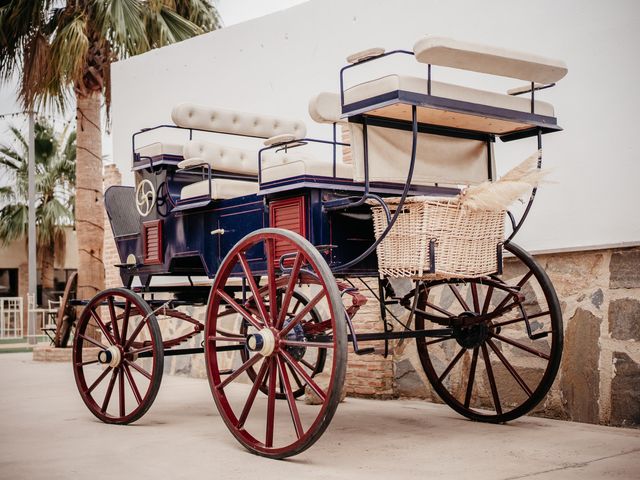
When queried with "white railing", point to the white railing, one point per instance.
{"points": [[10, 317], [43, 317]]}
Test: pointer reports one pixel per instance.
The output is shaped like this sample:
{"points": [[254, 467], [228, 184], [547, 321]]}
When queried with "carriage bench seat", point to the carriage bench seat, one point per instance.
{"points": [[238, 165], [393, 83], [221, 188], [292, 165]]}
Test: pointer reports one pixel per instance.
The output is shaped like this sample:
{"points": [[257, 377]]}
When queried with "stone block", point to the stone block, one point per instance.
{"points": [[408, 382], [52, 354], [624, 319], [625, 391], [580, 380], [625, 269]]}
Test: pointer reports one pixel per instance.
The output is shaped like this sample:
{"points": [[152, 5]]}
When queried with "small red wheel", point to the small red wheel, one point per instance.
{"points": [[277, 342], [118, 341]]}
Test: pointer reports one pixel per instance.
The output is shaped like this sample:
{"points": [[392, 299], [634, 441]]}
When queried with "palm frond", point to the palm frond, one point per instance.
{"points": [[69, 49], [124, 27]]}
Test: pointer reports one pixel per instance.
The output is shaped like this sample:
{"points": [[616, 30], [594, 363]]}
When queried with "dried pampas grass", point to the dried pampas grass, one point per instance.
{"points": [[511, 187]]}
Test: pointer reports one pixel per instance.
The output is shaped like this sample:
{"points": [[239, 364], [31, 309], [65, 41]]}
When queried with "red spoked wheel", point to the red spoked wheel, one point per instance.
{"points": [[276, 341], [506, 343], [118, 356]]}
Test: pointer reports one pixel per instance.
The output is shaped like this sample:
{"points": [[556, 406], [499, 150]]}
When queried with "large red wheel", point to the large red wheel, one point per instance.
{"points": [[277, 341], [118, 356]]}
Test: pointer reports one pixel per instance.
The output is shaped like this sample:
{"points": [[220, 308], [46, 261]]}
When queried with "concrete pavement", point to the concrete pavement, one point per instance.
{"points": [[47, 432]]}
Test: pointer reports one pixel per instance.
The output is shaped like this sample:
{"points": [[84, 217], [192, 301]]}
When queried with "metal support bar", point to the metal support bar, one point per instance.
{"points": [[531, 198], [377, 336]]}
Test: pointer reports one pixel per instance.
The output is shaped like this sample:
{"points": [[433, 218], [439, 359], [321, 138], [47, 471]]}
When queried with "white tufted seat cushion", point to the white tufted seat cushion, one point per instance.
{"points": [[282, 165], [221, 188], [391, 83], [189, 115], [157, 149], [222, 157]]}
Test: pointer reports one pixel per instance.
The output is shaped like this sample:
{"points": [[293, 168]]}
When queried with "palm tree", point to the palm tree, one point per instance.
{"points": [[65, 47], [55, 163]]}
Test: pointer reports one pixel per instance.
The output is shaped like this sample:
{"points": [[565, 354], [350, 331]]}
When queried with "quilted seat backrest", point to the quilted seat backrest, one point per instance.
{"points": [[190, 115]]}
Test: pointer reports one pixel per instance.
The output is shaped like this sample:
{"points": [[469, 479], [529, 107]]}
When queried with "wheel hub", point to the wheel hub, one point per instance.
{"points": [[263, 342], [111, 356], [296, 334], [472, 336]]}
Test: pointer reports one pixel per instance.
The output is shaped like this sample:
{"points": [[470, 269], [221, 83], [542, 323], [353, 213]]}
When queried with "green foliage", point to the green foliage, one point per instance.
{"points": [[55, 164], [59, 44]]}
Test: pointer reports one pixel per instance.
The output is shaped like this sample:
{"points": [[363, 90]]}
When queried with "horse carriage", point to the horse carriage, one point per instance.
{"points": [[292, 239]]}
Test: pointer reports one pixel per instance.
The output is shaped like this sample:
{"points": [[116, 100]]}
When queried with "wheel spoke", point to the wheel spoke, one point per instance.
{"points": [[296, 366], [455, 291], [88, 362], [438, 309], [252, 394], [271, 403], [295, 376], [291, 284], [92, 341], [102, 326], [132, 383], [271, 281], [307, 308], [99, 379], [519, 345], [487, 300], [121, 391], [472, 374], [136, 332], [451, 365], [308, 365], [492, 380], [474, 295], [216, 338], [114, 322], [295, 307], [138, 351], [107, 397], [291, 400], [239, 370], [125, 320], [138, 369], [253, 287], [509, 367], [238, 308]]}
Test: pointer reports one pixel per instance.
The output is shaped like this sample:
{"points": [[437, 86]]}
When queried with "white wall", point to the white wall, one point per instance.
{"points": [[274, 64]]}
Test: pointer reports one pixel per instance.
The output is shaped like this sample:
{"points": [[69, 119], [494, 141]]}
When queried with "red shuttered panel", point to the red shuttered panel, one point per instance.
{"points": [[290, 215], [152, 242]]}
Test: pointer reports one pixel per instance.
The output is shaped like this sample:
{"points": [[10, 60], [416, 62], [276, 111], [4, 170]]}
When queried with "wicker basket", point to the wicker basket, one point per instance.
{"points": [[466, 241]]}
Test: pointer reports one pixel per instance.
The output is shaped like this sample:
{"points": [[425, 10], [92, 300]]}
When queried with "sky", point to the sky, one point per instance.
{"points": [[231, 11]]}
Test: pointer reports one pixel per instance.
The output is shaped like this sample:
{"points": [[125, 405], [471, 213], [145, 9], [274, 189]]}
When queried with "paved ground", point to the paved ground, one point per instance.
{"points": [[46, 432]]}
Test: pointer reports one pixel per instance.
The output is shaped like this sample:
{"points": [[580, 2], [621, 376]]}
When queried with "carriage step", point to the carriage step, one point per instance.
{"points": [[365, 351]]}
